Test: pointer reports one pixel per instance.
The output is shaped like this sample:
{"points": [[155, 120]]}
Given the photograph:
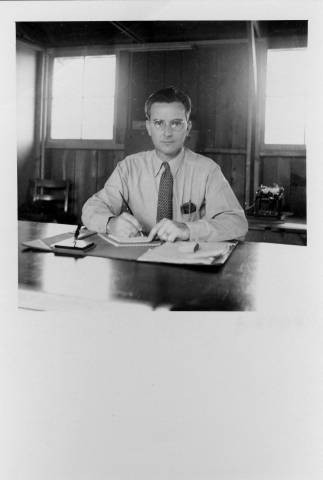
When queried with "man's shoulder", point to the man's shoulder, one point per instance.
{"points": [[138, 158], [200, 161]]}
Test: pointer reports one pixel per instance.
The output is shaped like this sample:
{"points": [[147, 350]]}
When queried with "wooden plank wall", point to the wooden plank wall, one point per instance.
{"points": [[216, 78]]}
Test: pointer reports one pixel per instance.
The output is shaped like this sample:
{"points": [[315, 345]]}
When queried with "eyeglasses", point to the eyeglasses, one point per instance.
{"points": [[176, 125]]}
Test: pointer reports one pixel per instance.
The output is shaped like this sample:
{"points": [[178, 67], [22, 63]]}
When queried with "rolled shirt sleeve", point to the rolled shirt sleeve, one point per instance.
{"points": [[224, 218], [106, 203]]}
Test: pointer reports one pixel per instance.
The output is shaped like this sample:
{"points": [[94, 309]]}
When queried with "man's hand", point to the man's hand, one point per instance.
{"points": [[124, 225], [169, 231]]}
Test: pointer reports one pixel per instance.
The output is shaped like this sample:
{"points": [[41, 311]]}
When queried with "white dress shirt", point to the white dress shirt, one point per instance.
{"points": [[202, 197]]}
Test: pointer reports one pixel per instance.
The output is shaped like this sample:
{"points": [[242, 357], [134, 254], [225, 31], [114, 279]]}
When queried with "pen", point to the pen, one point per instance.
{"points": [[129, 209], [76, 233], [126, 203]]}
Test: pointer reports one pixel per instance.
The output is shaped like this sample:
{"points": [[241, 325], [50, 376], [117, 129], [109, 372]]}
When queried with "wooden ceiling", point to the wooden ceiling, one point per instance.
{"points": [[65, 34]]}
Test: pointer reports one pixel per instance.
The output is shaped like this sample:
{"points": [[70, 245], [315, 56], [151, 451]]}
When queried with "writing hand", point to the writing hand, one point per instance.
{"points": [[124, 225], [169, 231]]}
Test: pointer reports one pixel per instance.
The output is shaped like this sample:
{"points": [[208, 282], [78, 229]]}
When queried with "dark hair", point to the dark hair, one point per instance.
{"points": [[168, 95]]}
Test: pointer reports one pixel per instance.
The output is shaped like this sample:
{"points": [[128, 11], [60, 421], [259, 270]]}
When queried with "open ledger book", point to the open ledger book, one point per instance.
{"points": [[208, 253]]}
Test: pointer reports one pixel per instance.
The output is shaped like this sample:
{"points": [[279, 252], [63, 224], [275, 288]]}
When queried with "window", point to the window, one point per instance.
{"points": [[82, 100], [285, 97]]}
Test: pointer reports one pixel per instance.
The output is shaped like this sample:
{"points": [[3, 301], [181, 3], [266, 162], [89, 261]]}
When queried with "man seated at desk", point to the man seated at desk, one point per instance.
{"points": [[170, 192]]}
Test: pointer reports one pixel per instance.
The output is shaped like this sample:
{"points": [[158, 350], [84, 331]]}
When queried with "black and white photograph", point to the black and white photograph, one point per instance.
{"points": [[104, 107], [162, 269]]}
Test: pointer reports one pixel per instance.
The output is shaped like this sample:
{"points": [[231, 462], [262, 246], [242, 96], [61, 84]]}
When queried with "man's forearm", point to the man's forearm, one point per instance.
{"points": [[96, 214], [225, 226]]}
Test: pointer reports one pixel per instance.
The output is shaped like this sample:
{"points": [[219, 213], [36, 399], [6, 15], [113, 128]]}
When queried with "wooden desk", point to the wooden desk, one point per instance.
{"points": [[289, 232], [232, 287]]}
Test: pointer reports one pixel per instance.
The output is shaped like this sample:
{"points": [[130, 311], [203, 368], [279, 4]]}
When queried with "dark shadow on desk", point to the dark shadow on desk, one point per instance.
{"points": [[216, 288]]}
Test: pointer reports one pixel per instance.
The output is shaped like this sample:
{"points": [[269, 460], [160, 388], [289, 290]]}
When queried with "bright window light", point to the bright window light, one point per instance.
{"points": [[285, 97], [83, 91]]}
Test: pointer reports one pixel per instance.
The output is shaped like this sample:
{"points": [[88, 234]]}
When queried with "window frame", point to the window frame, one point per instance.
{"points": [[270, 149], [66, 143]]}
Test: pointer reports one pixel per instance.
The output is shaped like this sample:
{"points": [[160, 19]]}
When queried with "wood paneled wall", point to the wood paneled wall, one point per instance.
{"points": [[216, 78]]}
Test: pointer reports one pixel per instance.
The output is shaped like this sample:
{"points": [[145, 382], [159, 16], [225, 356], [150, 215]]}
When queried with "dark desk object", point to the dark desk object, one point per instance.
{"points": [[269, 201], [230, 287]]}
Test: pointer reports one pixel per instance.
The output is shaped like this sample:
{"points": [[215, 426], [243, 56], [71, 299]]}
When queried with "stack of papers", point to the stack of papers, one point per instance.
{"points": [[209, 253]]}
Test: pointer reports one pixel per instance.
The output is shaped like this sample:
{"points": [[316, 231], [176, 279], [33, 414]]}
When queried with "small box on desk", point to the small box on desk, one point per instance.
{"points": [[70, 247]]}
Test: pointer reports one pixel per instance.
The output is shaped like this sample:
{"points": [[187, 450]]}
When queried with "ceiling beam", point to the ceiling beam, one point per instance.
{"points": [[27, 34], [128, 32]]}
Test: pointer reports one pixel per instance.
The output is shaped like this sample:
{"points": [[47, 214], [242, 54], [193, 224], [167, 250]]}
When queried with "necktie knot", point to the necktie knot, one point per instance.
{"points": [[166, 166]]}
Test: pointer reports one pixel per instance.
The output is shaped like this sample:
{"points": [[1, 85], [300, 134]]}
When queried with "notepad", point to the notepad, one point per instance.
{"points": [[128, 241], [209, 253]]}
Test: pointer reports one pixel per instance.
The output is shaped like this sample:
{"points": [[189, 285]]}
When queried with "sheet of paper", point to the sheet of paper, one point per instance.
{"points": [[207, 253], [138, 239], [292, 226], [37, 245], [128, 241]]}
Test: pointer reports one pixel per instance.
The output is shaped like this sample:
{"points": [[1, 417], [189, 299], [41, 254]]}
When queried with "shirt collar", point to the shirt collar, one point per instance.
{"points": [[174, 163]]}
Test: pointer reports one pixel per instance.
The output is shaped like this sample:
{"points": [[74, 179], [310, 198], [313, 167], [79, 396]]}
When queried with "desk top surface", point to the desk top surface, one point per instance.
{"points": [[289, 224], [232, 287]]}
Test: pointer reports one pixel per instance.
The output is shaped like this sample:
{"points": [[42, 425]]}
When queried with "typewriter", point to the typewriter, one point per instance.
{"points": [[269, 201]]}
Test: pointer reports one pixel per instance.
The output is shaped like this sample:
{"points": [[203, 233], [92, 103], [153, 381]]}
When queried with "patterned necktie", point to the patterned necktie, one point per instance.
{"points": [[165, 194]]}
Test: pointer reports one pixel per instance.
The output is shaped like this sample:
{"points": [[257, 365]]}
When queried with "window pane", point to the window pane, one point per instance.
{"points": [[286, 72], [66, 118], [99, 76], [285, 120], [98, 119], [67, 76], [83, 97], [285, 97]]}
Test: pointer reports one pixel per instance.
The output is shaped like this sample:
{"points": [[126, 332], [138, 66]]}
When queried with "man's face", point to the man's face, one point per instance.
{"points": [[168, 128]]}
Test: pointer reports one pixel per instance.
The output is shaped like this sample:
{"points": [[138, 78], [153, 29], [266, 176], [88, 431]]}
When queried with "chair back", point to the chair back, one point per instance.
{"points": [[55, 191]]}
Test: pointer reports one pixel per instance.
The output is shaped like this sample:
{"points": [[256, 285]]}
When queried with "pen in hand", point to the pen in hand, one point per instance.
{"points": [[130, 211], [76, 233]]}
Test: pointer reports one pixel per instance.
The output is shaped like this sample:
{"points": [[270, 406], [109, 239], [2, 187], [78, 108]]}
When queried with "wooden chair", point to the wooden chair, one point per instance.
{"points": [[50, 201], [52, 192]]}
